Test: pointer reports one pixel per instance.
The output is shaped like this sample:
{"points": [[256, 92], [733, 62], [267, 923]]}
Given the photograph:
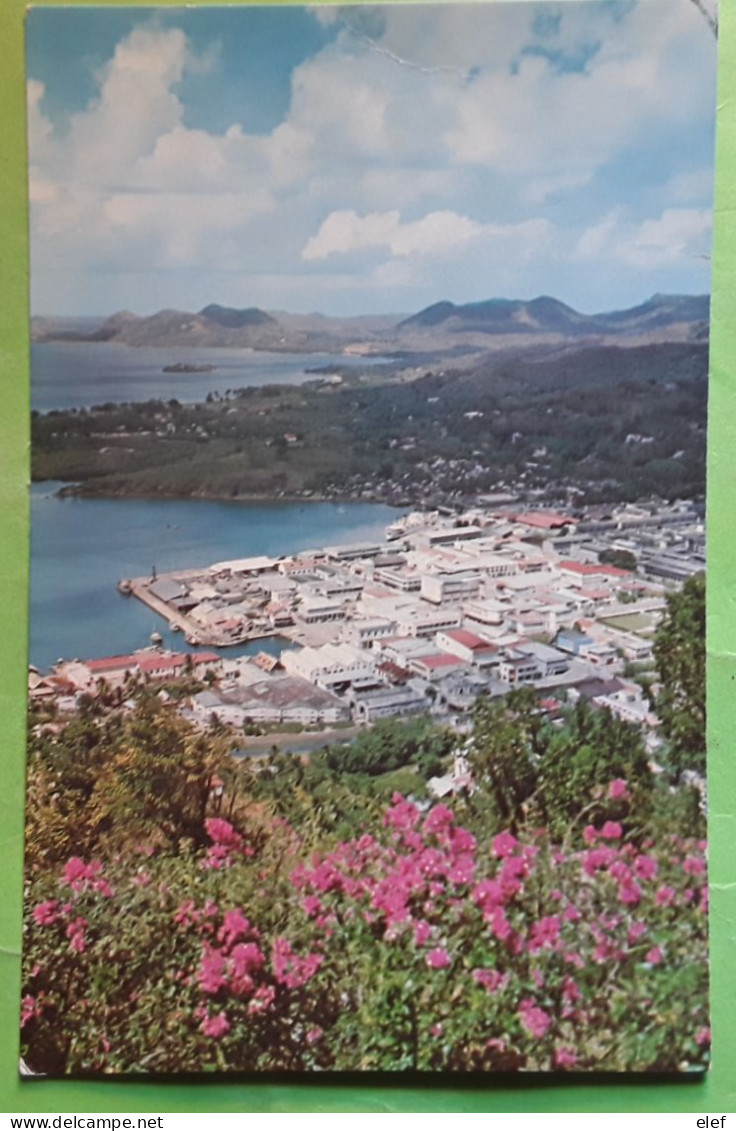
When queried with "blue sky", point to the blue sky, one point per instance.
{"points": [[369, 159]]}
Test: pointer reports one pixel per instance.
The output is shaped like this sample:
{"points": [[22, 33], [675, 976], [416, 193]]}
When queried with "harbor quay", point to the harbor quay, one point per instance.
{"points": [[442, 610]]}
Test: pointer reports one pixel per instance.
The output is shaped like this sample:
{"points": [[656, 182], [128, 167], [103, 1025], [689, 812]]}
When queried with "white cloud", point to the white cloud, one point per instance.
{"points": [[436, 235], [672, 239], [421, 133]]}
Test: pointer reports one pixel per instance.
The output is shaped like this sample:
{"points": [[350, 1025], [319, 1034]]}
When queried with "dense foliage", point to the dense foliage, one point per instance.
{"points": [[590, 417], [679, 652], [186, 912]]}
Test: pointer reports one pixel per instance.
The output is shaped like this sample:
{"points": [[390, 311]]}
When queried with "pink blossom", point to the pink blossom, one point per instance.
{"points": [[703, 1036], [618, 790], [693, 866], [439, 819], [245, 959], [636, 930], [235, 926], [488, 893], [186, 913], [142, 878], [215, 1026], [571, 914], [665, 897], [403, 815], [565, 1058], [534, 1020], [29, 1010], [291, 969], [422, 932], [611, 830], [311, 906], [499, 924], [212, 970], [77, 874], [489, 979], [646, 867], [545, 933], [571, 990], [654, 956], [103, 888], [504, 844], [44, 914], [437, 959], [75, 934], [589, 834], [222, 832], [630, 893], [596, 858], [262, 999]]}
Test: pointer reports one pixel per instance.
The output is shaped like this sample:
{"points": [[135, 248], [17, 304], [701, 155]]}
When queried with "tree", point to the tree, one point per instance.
{"points": [[679, 652], [583, 758], [503, 753]]}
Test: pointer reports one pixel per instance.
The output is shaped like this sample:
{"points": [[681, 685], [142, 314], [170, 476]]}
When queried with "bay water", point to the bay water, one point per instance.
{"points": [[82, 374], [81, 548]]}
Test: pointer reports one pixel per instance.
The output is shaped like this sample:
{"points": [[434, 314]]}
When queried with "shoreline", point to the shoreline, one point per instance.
{"points": [[72, 491]]}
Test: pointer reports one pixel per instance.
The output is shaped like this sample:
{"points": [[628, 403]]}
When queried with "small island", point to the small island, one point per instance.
{"points": [[188, 367]]}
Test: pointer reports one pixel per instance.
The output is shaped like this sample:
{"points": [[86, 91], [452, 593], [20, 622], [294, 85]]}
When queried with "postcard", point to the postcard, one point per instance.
{"points": [[367, 631]]}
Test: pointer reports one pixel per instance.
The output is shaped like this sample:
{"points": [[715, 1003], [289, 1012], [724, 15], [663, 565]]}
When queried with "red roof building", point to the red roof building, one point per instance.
{"points": [[544, 520]]}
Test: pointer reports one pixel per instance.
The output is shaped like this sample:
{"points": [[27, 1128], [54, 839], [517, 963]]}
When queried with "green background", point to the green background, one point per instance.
{"points": [[714, 1094]]}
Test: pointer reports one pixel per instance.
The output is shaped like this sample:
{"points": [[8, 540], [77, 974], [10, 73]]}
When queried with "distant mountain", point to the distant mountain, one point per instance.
{"points": [[475, 328], [550, 316], [236, 319]]}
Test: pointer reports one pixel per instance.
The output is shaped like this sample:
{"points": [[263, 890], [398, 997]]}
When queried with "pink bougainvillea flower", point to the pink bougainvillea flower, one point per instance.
{"points": [[314, 1034], [499, 924], [636, 930], [534, 1020], [44, 914], [262, 999], [311, 906], [590, 834], [618, 790], [438, 819], [28, 1010], [571, 990], [437, 959], [545, 933], [611, 830], [665, 897], [212, 970], [216, 1026], [565, 1058], [491, 980], [703, 1036], [186, 913], [504, 844], [291, 969], [693, 866], [488, 893], [422, 932], [78, 875], [235, 926], [654, 956], [630, 893], [646, 867], [246, 958], [75, 934], [222, 832]]}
